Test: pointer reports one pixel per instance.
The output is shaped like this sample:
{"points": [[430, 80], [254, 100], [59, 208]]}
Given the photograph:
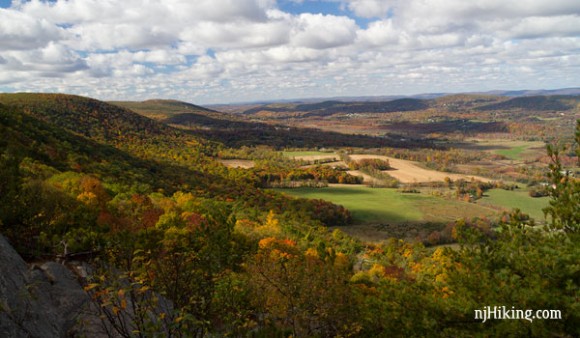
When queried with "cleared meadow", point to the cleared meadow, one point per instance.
{"points": [[382, 205], [517, 199]]}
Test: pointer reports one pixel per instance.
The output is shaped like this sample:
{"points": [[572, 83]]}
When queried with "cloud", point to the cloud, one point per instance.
{"points": [[538, 27], [380, 33], [323, 31], [369, 8], [53, 59], [238, 50], [19, 31], [237, 35], [288, 54]]}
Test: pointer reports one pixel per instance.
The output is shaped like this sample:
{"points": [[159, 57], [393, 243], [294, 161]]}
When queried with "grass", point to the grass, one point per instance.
{"points": [[517, 199], [367, 205], [513, 153], [374, 205], [381, 213], [307, 153]]}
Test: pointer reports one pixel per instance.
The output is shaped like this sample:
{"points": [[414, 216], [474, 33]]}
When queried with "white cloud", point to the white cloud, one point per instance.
{"points": [[236, 34], [236, 50], [54, 60], [537, 27], [369, 8], [380, 33], [323, 31], [160, 57], [98, 36], [19, 31], [287, 54]]}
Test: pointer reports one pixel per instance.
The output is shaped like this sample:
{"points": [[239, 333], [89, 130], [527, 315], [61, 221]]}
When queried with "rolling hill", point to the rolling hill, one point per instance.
{"points": [[327, 108], [71, 133], [236, 131], [58, 134], [535, 103], [87, 117], [161, 109]]}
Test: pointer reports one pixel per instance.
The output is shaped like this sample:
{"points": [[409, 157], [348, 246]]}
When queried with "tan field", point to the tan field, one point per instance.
{"points": [[410, 172], [367, 178], [244, 164], [403, 170]]}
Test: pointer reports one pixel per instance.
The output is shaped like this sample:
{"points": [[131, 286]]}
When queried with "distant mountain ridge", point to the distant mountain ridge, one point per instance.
{"points": [[480, 102], [326, 108], [537, 103], [422, 96], [536, 92]]}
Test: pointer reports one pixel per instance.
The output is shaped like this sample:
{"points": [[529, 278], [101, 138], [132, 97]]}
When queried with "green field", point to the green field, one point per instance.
{"points": [[380, 205], [513, 153], [517, 199]]}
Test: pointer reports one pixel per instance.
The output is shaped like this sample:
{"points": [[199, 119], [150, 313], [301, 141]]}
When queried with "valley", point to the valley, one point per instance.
{"points": [[328, 205], [434, 147], [289, 168]]}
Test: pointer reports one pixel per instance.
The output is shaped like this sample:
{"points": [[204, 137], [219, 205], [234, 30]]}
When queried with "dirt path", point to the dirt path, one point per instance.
{"points": [[410, 172]]}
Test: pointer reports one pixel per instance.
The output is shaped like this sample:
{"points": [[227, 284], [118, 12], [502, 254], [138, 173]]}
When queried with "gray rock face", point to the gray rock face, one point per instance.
{"points": [[40, 301]]}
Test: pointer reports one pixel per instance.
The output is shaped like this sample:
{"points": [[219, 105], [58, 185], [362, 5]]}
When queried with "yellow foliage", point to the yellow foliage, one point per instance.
{"points": [[408, 252], [88, 198], [266, 242], [377, 271], [341, 260], [271, 228], [311, 253], [416, 267], [181, 199], [175, 236], [271, 220]]}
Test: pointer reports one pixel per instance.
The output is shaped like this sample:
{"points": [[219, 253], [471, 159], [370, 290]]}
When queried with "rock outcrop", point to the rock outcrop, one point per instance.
{"points": [[39, 300]]}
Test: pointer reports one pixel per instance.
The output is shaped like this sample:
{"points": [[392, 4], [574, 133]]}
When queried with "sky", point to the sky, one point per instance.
{"points": [[224, 51]]}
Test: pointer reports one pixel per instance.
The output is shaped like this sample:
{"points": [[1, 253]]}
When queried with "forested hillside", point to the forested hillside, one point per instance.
{"points": [[333, 107], [535, 103], [180, 245], [233, 131]]}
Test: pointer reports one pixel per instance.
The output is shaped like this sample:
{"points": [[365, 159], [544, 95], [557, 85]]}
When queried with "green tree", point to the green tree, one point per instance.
{"points": [[564, 208]]}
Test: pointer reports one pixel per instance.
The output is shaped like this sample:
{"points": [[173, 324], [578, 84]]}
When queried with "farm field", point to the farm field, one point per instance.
{"points": [[383, 205], [244, 164], [381, 213], [511, 149], [517, 199], [410, 172], [512, 153]]}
